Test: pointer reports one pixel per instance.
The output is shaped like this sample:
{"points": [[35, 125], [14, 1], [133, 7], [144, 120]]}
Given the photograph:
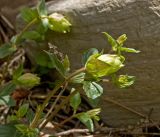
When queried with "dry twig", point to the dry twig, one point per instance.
{"points": [[71, 131]]}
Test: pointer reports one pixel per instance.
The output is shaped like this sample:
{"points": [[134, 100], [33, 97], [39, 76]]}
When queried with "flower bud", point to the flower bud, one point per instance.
{"points": [[59, 23], [28, 80], [103, 65]]}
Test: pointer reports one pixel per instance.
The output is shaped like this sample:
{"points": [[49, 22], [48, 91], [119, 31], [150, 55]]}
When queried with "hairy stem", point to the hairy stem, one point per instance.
{"points": [[65, 121], [25, 29], [35, 121], [58, 109], [56, 100]]}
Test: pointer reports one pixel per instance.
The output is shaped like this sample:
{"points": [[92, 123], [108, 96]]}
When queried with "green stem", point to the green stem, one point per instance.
{"points": [[56, 100], [25, 29], [57, 109], [75, 73], [35, 121], [65, 121]]}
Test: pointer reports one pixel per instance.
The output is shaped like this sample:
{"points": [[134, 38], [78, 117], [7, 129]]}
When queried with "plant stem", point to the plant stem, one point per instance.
{"points": [[65, 121], [57, 109], [55, 102], [26, 28], [75, 73], [35, 121], [71, 131]]}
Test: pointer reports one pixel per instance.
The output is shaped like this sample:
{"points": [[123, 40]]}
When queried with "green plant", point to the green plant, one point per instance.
{"points": [[97, 65]]}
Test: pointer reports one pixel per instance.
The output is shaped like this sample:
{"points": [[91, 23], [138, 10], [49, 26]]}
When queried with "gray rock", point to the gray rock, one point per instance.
{"points": [[11, 8], [140, 20]]}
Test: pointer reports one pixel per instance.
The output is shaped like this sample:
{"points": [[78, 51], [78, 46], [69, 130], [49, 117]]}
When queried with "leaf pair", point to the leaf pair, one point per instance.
{"points": [[20, 113], [117, 45], [86, 118], [62, 67], [123, 81]]}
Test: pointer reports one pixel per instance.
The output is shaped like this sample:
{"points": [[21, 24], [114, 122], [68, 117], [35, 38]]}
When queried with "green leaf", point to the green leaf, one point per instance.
{"points": [[111, 41], [94, 102], [6, 50], [28, 80], [78, 78], [14, 40], [86, 120], [75, 101], [12, 118], [42, 10], [19, 130], [93, 113], [58, 64], [122, 58], [59, 23], [91, 77], [29, 14], [92, 89], [122, 39], [32, 35], [40, 28], [22, 110], [30, 115], [130, 50], [103, 65], [45, 23], [7, 89], [42, 70], [8, 130], [18, 72], [27, 131], [7, 100], [66, 64], [88, 53], [123, 81], [43, 59]]}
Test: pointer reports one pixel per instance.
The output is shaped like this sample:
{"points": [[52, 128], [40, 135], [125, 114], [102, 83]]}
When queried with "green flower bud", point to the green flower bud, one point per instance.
{"points": [[28, 80], [58, 23], [103, 65]]}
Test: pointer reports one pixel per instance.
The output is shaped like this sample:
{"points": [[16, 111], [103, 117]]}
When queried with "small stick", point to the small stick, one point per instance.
{"points": [[63, 122], [6, 21], [55, 102], [125, 107], [4, 37], [71, 131], [130, 109], [134, 133]]}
